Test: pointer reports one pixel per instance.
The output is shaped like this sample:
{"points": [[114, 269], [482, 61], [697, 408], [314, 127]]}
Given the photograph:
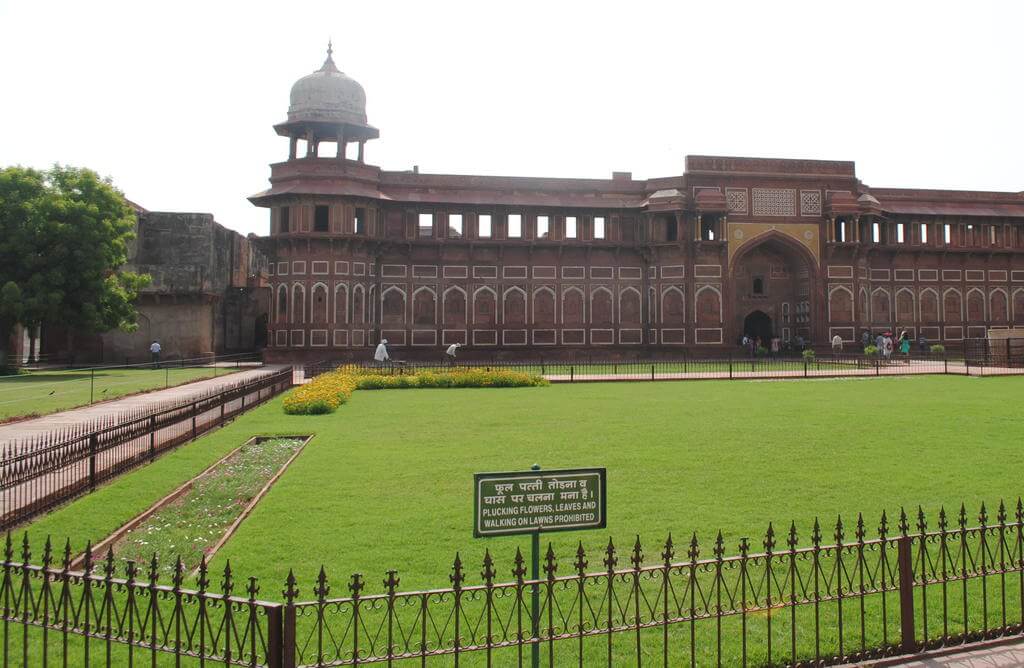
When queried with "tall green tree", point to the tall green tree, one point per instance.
{"points": [[64, 235]]}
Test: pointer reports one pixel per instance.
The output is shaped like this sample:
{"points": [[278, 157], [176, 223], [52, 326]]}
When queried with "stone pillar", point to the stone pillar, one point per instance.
{"points": [[341, 145], [310, 144], [698, 228], [293, 145], [361, 145]]}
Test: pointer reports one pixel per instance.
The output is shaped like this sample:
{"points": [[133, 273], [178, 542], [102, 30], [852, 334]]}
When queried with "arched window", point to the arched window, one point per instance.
{"points": [[424, 307], [758, 286], [282, 303], [318, 316]]}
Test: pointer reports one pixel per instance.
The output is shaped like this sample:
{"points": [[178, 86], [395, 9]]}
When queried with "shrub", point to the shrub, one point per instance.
{"points": [[762, 351], [321, 395], [808, 355], [871, 351], [938, 349]]}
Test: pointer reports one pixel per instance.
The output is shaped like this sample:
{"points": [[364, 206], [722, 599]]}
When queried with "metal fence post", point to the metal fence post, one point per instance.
{"points": [[280, 636], [193, 420], [730, 366], [222, 402], [905, 566], [652, 372], [93, 447], [945, 364], [152, 437], [92, 383], [572, 372]]}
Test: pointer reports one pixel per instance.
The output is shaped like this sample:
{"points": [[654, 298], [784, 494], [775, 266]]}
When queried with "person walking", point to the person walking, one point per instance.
{"points": [[449, 355], [154, 353], [865, 339], [905, 345], [922, 344], [887, 347], [837, 344], [380, 355]]}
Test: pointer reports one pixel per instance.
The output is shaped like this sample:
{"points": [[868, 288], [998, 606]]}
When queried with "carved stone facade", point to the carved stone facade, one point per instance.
{"points": [[522, 267]]}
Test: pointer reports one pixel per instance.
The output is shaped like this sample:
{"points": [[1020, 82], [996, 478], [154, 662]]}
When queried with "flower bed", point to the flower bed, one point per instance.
{"points": [[328, 391]]}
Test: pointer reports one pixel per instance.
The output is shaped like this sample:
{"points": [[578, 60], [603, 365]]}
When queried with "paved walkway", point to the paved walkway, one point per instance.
{"points": [[998, 656], [767, 374], [16, 431]]}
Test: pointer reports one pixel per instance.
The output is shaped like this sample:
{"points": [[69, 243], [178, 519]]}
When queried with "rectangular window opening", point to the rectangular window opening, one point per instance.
{"points": [[570, 227], [947, 233], [900, 238], [425, 228], [483, 226], [455, 225], [321, 219], [285, 226], [671, 229], [992, 235], [876, 233], [924, 233], [599, 227], [360, 221], [543, 227], [515, 226]]}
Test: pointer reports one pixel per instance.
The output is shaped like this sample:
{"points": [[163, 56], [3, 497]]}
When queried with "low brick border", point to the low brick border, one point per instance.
{"points": [[108, 542]]}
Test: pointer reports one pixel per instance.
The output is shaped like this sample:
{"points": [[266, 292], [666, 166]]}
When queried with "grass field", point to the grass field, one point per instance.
{"points": [[42, 392], [386, 482]]}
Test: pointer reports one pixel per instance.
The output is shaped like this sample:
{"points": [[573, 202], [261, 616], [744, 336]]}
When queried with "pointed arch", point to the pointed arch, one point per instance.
{"points": [[840, 304], [573, 306], [881, 306], [454, 306], [865, 306], [905, 307], [952, 306], [513, 306], [358, 304], [318, 304], [976, 305], [424, 306], [340, 303], [298, 303], [544, 307], [1018, 306], [282, 304], [485, 306], [630, 309], [998, 306], [392, 305], [928, 305], [601, 307], [707, 306], [673, 306]]}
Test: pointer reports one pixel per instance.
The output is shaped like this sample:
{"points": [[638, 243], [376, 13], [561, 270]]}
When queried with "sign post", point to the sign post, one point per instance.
{"points": [[519, 502]]}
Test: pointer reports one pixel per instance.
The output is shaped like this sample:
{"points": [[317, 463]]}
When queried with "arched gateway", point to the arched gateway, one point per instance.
{"points": [[772, 295]]}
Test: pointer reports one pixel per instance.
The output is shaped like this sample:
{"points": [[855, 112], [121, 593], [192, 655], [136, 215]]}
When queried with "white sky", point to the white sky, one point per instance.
{"points": [[175, 100]]}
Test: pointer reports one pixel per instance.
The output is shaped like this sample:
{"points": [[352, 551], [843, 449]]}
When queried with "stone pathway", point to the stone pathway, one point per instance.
{"points": [[998, 656], [25, 429]]}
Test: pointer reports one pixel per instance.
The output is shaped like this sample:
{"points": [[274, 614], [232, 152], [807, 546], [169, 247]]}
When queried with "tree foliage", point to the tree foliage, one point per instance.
{"points": [[64, 233]]}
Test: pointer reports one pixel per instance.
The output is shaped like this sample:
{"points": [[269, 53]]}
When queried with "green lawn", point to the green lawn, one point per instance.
{"points": [[42, 392], [386, 482]]}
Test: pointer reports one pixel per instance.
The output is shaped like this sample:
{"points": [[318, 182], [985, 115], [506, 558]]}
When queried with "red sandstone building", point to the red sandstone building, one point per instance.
{"points": [[543, 266]]}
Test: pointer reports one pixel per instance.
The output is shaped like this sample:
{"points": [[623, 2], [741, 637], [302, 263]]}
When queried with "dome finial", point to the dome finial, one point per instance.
{"points": [[329, 65]]}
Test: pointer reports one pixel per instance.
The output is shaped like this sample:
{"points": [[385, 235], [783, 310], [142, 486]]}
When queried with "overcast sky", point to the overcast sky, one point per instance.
{"points": [[175, 100]]}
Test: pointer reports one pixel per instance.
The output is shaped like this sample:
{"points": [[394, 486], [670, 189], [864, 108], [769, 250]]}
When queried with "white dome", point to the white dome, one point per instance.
{"points": [[329, 96]]}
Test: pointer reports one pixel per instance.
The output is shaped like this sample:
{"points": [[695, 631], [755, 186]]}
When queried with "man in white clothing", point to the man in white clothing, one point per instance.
{"points": [[380, 355], [154, 353], [837, 344], [449, 355]]}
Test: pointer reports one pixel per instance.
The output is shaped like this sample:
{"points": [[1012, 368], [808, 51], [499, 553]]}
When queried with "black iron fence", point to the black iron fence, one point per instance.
{"points": [[1008, 352], [43, 471], [862, 592], [691, 368]]}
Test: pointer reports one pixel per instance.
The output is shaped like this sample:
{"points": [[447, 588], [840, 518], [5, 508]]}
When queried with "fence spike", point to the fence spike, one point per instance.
{"points": [[1020, 510], [253, 588], [839, 534], [669, 551], [610, 560], [637, 558], [456, 576], [550, 564], [859, 531], [109, 565], [1001, 514], [694, 550], [922, 522], [179, 573], [904, 523], [488, 572], [204, 578], [228, 583], [26, 552], [581, 559], [943, 523], [392, 582], [154, 570], [744, 547], [963, 516], [983, 515], [792, 540], [130, 571], [322, 588], [8, 548], [290, 588], [816, 533], [87, 562], [719, 549], [519, 569], [65, 562]]}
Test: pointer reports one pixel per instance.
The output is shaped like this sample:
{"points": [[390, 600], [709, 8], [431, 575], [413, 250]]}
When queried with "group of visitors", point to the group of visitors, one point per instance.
{"points": [[752, 345], [887, 345]]}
